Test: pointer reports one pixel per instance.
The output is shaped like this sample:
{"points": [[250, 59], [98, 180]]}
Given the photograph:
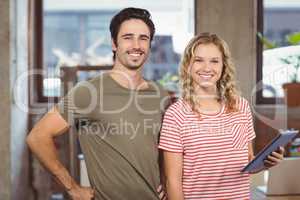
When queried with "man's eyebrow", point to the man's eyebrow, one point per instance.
{"points": [[127, 34], [131, 34], [145, 36]]}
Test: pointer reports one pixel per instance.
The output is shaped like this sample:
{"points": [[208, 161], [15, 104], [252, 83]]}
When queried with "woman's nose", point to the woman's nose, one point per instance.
{"points": [[206, 66]]}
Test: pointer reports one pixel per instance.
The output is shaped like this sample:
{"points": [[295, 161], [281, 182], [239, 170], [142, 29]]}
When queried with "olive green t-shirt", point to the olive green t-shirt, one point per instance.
{"points": [[118, 134]]}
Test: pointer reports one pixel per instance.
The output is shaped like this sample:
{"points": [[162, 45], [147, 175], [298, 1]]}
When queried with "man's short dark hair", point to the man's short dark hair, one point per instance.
{"points": [[130, 13]]}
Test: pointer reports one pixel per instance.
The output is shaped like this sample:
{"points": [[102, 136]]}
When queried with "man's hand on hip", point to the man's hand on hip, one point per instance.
{"points": [[81, 193], [161, 193]]}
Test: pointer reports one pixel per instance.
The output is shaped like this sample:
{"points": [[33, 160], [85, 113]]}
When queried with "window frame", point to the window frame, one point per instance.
{"points": [[260, 99], [36, 95], [36, 54]]}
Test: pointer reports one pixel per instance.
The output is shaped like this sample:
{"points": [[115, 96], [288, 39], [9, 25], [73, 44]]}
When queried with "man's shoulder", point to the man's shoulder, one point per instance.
{"points": [[95, 82], [85, 91], [98, 79], [157, 85]]}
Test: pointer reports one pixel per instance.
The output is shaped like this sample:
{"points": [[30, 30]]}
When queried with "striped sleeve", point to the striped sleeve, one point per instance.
{"points": [[250, 128], [170, 138]]}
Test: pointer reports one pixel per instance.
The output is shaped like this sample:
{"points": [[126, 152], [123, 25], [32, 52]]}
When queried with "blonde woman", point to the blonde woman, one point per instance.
{"points": [[206, 135]]}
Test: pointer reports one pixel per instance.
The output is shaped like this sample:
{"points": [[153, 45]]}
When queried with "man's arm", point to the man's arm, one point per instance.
{"points": [[173, 170], [41, 142]]}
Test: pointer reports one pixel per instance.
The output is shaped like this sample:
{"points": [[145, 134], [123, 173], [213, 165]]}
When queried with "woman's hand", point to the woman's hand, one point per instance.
{"points": [[274, 158]]}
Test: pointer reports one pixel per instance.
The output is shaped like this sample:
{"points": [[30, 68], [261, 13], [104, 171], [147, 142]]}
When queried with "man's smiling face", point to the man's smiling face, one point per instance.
{"points": [[133, 44]]}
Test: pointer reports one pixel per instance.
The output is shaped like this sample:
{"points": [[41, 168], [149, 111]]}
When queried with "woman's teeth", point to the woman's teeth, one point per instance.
{"points": [[206, 76]]}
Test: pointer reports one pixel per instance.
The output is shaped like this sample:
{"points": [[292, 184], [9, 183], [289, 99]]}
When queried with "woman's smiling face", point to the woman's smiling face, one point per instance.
{"points": [[206, 66]]}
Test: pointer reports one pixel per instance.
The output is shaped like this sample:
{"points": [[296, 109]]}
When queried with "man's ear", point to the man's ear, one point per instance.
{"points": [[113, 45]]}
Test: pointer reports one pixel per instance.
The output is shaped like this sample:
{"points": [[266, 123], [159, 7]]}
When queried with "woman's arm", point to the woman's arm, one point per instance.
{"points": [[250, 151], [173, 171]]}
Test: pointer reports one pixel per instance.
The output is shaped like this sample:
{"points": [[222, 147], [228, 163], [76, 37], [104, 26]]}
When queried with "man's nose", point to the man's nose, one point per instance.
{"points": [[136, 44]]}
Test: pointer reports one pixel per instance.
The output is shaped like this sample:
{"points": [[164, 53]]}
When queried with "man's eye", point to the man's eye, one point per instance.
{"points": [[215, 61]]}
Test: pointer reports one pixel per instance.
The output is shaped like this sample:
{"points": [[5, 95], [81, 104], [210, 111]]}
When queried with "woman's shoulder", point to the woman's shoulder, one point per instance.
{"points": [[242, 104], [179, 106]]}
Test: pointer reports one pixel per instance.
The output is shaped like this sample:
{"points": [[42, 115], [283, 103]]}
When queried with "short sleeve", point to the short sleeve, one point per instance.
{"points": [[76, 104], [165, 101], [170, 135], [249, 129]]}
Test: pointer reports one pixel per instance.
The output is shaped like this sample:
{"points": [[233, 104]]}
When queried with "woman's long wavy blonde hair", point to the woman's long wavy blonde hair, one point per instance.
{"points": [[226, 86]]}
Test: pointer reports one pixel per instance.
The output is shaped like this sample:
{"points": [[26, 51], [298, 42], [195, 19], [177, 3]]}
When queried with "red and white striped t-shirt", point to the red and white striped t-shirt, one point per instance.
{"points": [[214, 149]]}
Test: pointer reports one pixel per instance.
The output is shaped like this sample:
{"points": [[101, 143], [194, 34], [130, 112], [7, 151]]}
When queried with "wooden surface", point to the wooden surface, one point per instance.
{"points": [[258, 180], [257, 195]]}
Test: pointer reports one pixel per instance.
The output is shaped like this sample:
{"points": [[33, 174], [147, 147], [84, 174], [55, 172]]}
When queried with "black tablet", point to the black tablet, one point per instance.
{"points": [[282, 139]]}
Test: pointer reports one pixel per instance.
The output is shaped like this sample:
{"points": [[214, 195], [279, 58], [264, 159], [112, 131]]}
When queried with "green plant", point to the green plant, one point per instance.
{"points": [[292, 39], [294, 60], [169, 82], [268, 44]]}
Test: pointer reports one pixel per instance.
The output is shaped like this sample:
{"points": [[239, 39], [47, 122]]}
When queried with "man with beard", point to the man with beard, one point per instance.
{"points": [[122, 116]]}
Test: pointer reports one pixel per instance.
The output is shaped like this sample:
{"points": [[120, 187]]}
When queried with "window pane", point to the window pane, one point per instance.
{"points": [[281, 19], [76, 32]]}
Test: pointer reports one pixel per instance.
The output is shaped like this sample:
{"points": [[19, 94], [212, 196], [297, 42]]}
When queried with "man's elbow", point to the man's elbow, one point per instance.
{"points": [[35, 138], [31, 139]]}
